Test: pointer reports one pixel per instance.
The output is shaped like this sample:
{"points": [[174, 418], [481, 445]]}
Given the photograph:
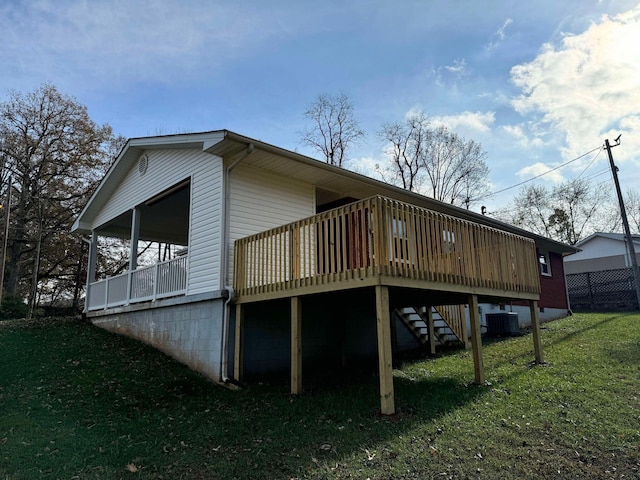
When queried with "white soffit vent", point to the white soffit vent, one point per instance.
{"points": [[143, 164]]}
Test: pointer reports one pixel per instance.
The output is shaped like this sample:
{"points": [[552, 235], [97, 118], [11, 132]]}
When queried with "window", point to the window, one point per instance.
{"points": [[545, 266], [449, 240], [400, 240]]}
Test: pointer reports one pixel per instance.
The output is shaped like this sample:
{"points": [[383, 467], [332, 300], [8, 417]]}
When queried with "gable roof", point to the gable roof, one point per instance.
{"points": [[229, 145], [619, 237]]}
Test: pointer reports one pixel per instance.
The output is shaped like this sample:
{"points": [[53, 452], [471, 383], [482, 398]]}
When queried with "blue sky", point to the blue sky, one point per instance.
{"points": [[536, 83]]}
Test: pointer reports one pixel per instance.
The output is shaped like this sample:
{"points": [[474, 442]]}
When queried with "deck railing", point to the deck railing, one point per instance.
{"points": [[164, 279], [380, 236]]}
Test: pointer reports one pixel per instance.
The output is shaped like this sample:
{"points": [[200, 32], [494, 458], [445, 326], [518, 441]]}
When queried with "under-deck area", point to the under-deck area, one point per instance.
{"points": [[403, 256]]}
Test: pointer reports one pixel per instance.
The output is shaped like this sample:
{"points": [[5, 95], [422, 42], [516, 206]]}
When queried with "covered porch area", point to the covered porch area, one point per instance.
{"points": [[148, 249], [405, 255]]}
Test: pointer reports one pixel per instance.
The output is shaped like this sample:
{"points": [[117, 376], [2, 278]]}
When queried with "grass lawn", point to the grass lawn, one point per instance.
{"points": [[77, 402]]}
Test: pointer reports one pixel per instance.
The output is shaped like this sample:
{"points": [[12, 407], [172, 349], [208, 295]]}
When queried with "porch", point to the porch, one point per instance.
{"points": [[409, 256], [162, 280]]}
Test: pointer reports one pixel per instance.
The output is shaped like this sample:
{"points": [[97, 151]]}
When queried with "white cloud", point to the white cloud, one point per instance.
{"points": [[498, 36], [458, 67], [588, 87], [371, 167], [539, 168], [522, 138], [467, 122], [450, 74]]}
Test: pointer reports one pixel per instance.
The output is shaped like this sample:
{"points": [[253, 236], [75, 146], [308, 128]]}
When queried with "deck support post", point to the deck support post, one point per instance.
{"points": [[383, 325], [476, 339], [535, 326], [428, 310], [296, 345], [238, 352]]}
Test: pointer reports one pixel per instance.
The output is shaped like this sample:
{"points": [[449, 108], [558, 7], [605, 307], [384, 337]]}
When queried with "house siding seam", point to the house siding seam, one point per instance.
{"points": [[260, 200]]}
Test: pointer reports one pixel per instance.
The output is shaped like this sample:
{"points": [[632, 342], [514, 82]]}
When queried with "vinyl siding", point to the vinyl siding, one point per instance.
{"points": [[261, 201], [166, 168], [598, 247], [205, 227]]}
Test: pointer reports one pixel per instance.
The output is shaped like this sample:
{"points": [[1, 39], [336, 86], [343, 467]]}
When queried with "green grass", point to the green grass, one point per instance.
{"points": [[77, 402]]}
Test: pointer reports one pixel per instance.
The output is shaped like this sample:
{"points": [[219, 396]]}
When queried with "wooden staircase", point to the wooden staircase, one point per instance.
{"points": [[449, 324]]}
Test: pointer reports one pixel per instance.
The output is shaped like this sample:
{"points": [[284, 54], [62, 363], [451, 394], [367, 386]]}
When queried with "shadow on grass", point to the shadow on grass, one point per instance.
{"points": [[580, 331], [79, 401]]}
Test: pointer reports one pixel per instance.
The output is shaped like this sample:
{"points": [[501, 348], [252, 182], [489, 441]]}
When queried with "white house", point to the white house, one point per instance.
{"points": [[284, 258], [601, 251]]}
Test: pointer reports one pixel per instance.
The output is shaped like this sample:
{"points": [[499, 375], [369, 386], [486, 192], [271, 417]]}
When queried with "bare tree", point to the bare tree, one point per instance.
{"points": [[334, 128], [435, 161], [530, 210], [567, 212], [407, 143], [632, 206], [55, 154]]}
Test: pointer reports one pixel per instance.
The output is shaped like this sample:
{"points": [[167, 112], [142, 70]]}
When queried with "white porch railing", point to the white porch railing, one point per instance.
{"points": [[164, 279]]}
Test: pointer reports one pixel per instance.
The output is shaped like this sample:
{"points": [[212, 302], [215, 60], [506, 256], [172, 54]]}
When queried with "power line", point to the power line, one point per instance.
{"points": [[548, 171], [598, 174], [591, 163]]}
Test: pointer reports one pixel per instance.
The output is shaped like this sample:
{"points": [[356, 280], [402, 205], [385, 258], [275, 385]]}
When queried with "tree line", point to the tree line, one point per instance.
{"points": [[436, 162], [53, 155]]}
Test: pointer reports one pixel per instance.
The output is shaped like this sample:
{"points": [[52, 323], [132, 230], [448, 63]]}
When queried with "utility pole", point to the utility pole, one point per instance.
{"points": [[3, 255], [625, 222]]}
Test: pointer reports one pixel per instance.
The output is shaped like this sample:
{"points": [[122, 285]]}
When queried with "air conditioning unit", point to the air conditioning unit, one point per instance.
{"points": [[502, 324]]}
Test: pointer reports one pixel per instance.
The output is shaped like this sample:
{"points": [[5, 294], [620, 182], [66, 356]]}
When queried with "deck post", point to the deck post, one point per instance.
{"points": [[296, 346], [238, 352], [431, 329], [535, 326], [383, 324], [476, 339]]}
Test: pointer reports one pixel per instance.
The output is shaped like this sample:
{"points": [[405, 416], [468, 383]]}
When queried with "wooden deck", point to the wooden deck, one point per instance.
{"points": [[380, 241], [391, 247]]}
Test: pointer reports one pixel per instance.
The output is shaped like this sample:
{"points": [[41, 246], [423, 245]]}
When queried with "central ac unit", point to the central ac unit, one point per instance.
{"points": [[502, 324]]}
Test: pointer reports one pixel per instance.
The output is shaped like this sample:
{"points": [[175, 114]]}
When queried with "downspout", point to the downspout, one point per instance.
{"points": [[224, 262]]}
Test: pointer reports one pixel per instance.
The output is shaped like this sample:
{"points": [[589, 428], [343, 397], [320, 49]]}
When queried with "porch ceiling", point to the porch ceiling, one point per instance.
{"points": [[166, 220]]}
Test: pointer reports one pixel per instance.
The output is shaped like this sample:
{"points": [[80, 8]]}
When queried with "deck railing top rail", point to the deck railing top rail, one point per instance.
{"points": [[384, 237]]}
